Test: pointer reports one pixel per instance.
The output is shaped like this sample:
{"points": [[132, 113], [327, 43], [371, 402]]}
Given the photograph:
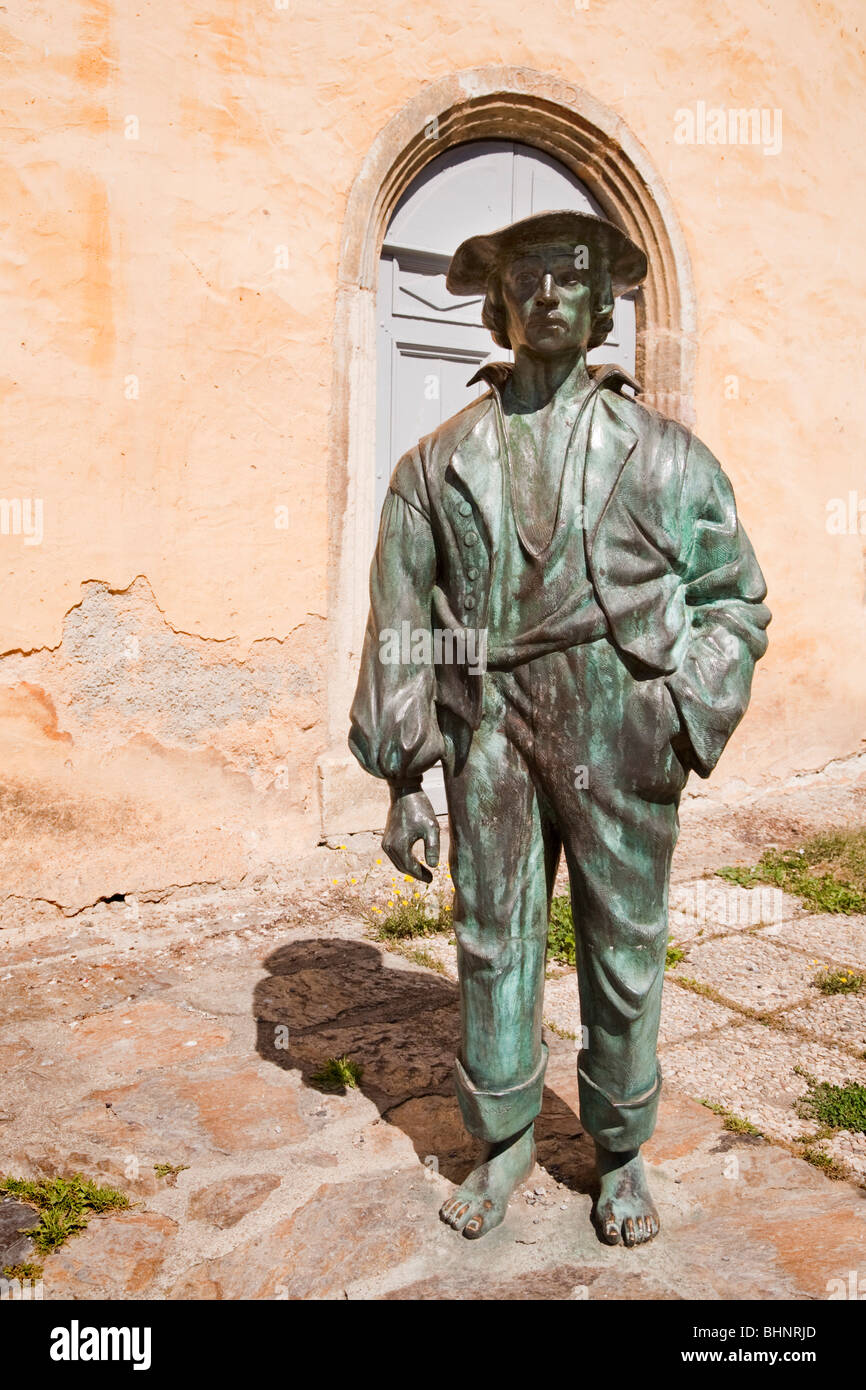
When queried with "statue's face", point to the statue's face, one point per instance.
{"points": [[547, 297]]}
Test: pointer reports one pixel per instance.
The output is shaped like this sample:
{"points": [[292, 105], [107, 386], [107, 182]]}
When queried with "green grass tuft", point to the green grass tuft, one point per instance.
{"points": [[560, 931], [65, 1206], [836, 1107], [26, 1271], [169, 1170], [425, 958], [827, 872], [734, 1123], [336, 1074], [829, 1166], [839, 981], [411, 917], [560, 1032]]}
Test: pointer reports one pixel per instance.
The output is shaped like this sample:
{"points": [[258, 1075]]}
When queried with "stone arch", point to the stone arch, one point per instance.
{"points": [[512, 103]]}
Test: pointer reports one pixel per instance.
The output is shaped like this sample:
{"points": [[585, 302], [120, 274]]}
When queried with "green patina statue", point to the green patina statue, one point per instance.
{"points": [[591, 612]]}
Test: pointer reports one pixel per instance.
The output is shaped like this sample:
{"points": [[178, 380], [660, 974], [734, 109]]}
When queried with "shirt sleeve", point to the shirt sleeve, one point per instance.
{"points": [[394, 729]]}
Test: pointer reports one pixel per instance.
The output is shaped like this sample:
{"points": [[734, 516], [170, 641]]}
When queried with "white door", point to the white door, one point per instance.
{"points": [[430, 342]]}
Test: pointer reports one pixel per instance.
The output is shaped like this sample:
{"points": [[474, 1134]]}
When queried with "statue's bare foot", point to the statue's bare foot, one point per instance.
{"points": [[624, 1210], [482, 1200]]}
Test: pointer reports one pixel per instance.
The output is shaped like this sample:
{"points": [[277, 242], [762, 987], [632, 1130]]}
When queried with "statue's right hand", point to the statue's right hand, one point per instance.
{"points": [[411, 818]]}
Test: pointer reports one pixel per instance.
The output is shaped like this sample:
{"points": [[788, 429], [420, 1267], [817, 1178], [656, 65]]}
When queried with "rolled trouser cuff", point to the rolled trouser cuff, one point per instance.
{"points": [[496, 1115], [617, 1125]]}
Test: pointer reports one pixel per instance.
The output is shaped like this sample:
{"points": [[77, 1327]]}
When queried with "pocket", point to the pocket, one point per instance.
{"points": [[655, 720]]}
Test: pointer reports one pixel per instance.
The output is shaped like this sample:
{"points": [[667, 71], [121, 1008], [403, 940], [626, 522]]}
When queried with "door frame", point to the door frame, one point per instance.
{"points": [[513, 103]]}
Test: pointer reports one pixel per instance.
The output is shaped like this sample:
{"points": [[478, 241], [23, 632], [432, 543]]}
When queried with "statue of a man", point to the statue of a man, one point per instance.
{"points": [[589, 548]]}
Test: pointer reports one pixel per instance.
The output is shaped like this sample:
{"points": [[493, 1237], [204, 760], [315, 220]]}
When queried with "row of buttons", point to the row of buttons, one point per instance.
{"points": [[470, 538]]}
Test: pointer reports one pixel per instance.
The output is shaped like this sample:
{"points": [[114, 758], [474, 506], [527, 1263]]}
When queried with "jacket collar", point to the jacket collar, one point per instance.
{"points": [[496, 374], [477, 459]]}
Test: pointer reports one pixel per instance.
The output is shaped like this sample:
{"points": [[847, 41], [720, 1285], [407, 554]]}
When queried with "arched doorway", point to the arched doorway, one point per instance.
{"points": [[593, 143], [429, 342]]}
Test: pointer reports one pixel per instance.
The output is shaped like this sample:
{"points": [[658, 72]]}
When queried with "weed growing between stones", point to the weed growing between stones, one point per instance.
{"points": [[418, 915], [734, 1123], [827, 872], [673, 955], [841, 981], [337, 1074], [425, 958], [398, 909], [826, 1163], [170, 1171], [65, 1206], [836, 1107], [25, 1272], [560, 1032], [560, 931]]}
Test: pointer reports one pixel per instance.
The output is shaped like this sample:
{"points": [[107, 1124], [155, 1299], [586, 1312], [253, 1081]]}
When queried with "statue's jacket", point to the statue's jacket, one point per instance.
{"points": [[671, 574]]}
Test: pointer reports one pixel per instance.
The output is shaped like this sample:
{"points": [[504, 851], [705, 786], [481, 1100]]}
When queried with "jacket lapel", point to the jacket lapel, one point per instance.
{"points": [[476, 466], [477, 460], [609, 447]]}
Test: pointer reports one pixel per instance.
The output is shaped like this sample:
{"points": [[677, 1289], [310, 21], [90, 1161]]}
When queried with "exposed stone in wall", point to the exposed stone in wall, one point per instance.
{"points": [[136, 756], [121, 671]]}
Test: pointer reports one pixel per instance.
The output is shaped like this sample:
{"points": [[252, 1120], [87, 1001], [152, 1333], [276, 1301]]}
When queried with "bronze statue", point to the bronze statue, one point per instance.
{"points": [[590, 547]]}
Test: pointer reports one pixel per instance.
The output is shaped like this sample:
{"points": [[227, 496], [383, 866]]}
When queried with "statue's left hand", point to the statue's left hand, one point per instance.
{"points": [[411, 818]]}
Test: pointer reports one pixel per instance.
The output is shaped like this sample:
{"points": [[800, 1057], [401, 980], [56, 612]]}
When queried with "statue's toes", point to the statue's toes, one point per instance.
{"points": [[629, 1234], [610, 1230], [452, 1210], [480, 1221], [460, 1214]]}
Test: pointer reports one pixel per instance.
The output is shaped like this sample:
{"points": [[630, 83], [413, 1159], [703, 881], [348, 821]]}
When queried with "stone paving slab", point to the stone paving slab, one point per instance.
{"points": [[829, 938], [774, 1230], [146, 1034], [750, 1070], [749, 971], [837, 1018], [714, 905], [193, 1043]]}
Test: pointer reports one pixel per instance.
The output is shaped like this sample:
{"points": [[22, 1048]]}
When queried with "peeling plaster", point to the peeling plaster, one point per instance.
{"points": [[121, 669]]}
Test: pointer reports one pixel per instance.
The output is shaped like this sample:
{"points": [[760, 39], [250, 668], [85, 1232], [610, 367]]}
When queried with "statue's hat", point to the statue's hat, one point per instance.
{"points": [[476, 257]]}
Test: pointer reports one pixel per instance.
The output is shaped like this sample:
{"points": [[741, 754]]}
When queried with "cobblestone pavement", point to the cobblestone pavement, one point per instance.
{"points": [[186, 1031]]}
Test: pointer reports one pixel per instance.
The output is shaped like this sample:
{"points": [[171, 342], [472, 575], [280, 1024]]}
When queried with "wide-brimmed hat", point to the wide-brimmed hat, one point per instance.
{"points": [[476, 257]]}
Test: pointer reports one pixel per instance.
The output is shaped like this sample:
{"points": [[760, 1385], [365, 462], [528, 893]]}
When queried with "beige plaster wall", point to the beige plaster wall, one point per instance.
{"points": [[166, 383]]}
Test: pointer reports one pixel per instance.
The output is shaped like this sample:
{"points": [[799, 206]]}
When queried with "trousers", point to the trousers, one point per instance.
{"points": [[573, 754]]}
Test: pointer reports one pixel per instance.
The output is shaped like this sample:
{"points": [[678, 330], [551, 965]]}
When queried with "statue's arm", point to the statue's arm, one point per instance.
{"points": [[724, 591], [394, 731]]}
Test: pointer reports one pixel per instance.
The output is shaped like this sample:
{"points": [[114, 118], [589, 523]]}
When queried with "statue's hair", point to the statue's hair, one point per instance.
{"points": [[493, 313]]}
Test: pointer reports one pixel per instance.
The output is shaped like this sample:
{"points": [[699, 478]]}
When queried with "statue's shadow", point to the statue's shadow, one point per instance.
{"points": [[325, 998]]}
